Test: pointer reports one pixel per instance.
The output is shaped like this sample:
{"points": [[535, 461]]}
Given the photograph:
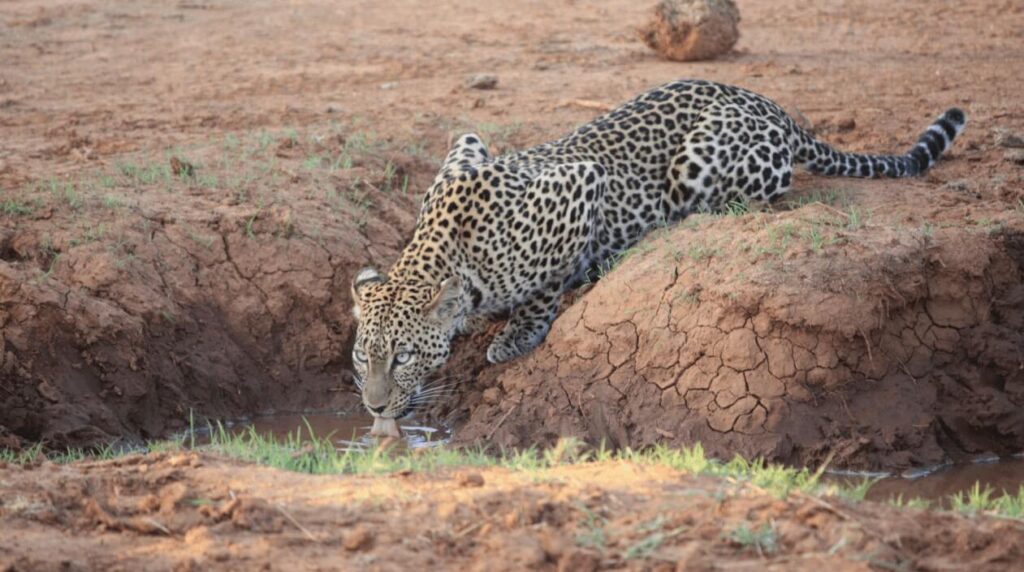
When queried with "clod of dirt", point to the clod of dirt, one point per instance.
{"points": [[578, 561], [257, 515], [471, 480], [482, 81], [846, 123], [690, 30], [358, 539], [182, 168]]}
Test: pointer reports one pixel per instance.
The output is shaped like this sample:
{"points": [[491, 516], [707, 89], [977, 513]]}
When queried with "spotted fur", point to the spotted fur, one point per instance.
{"points": [[512, 233]]}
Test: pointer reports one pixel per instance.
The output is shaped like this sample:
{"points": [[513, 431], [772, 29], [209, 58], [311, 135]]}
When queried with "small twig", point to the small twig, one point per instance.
{"points": [[500, 421], [827, 506], [867, 344], [824, 465], [153, 522], [587, 104], [468, 529], [906, 370], [291, 518]]}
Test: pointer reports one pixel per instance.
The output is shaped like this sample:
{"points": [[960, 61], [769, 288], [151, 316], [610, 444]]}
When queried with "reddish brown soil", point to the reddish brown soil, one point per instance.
{"points": [[188, 512], [228, 298]]}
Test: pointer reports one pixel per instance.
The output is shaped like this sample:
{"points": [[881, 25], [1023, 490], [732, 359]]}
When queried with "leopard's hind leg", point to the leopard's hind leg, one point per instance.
{"points": [[728, 157]]}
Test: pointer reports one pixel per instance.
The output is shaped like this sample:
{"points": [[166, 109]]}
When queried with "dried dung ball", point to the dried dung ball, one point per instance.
{"points": [[688, 30]]}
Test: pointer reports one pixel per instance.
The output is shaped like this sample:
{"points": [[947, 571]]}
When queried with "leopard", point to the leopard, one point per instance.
{"points": [[510, 234]]}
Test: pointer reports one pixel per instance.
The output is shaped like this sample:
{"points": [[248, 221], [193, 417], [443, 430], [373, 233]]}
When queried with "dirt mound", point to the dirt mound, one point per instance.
{"points": [[690, 30], [789, 337], [122, 309], [199, 512]]}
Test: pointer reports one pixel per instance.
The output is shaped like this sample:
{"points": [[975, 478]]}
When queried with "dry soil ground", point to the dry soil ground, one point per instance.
{"points": [[195, 512], [882, 323]]}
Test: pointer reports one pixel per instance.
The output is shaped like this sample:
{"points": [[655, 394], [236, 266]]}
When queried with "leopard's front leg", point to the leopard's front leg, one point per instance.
{"points": [[526, 328], [474, 324], [562, 208]]}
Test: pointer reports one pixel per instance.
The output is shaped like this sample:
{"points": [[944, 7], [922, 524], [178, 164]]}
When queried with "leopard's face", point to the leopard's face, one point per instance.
{"points": [[401, 341]]}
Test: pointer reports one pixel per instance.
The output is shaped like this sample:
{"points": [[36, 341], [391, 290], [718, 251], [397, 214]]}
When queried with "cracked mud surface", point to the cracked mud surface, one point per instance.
{"points": [[889, 348], [203, 304], [201, 512], [883, 325]]}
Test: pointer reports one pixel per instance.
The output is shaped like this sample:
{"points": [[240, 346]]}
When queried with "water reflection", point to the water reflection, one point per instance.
{"points": [[346, 431]]}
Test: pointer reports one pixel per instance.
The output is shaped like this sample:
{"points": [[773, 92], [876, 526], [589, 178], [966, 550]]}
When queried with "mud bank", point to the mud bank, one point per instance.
{"points": [[790, 337], [117, 320]]}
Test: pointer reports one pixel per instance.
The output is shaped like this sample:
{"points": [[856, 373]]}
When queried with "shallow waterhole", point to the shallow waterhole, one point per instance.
{"points": [[345, 430], [351, 431], [937, 484]]}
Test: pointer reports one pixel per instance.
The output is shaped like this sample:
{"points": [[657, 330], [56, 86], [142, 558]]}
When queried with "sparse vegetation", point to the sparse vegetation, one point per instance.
{"points": [[302, 451], [112, 202], [650, 543], [928, 230], [592, 534], [778, 239], [764, 539], [831, 197], [916, 502], [699, 251], [12, 207], [737, 208], [65, 192]]}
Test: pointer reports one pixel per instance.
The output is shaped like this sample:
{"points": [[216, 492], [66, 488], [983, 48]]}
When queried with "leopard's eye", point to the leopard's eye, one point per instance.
{"points": [[402, 358], [360, 355]]}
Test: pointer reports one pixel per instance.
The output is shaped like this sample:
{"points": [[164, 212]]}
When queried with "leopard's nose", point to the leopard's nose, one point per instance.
{"points": [[377, 410]]}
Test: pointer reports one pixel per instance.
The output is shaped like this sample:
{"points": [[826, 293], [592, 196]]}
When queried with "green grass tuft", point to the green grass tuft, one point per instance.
{"points": [[11, 207], [765, 540]]}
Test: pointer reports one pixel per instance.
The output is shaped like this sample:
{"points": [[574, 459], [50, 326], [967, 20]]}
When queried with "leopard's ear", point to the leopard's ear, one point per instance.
{"points": [[447, 302], [364, 278]]}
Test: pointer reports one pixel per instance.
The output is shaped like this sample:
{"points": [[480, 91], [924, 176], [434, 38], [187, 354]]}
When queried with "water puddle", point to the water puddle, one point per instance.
{"points": [[345, 430], [938, 484]]}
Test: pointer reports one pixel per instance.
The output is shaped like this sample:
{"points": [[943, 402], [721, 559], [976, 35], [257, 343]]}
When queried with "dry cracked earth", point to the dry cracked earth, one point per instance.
{"points": [[188, 188]]}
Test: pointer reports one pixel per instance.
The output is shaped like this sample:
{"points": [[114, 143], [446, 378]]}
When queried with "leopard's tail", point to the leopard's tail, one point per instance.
{"points": [[821, 158]]}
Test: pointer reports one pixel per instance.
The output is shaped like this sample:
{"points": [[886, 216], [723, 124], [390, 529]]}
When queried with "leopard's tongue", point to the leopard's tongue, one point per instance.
{"points": [[385, 428]]}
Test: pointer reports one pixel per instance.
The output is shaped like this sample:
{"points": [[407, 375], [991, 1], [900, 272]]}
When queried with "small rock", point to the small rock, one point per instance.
{"points": [[48, 391], [182, 168], [1005, 138], [178, 460], [334, 108], [358, 539], [689, 30], [1015, 156], [389, 85], [492, 395], [471, 480], [482, 81], [846, 124]]}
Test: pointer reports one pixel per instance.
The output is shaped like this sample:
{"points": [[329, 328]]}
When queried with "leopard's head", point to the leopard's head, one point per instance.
{"points": [[403, 337]]}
